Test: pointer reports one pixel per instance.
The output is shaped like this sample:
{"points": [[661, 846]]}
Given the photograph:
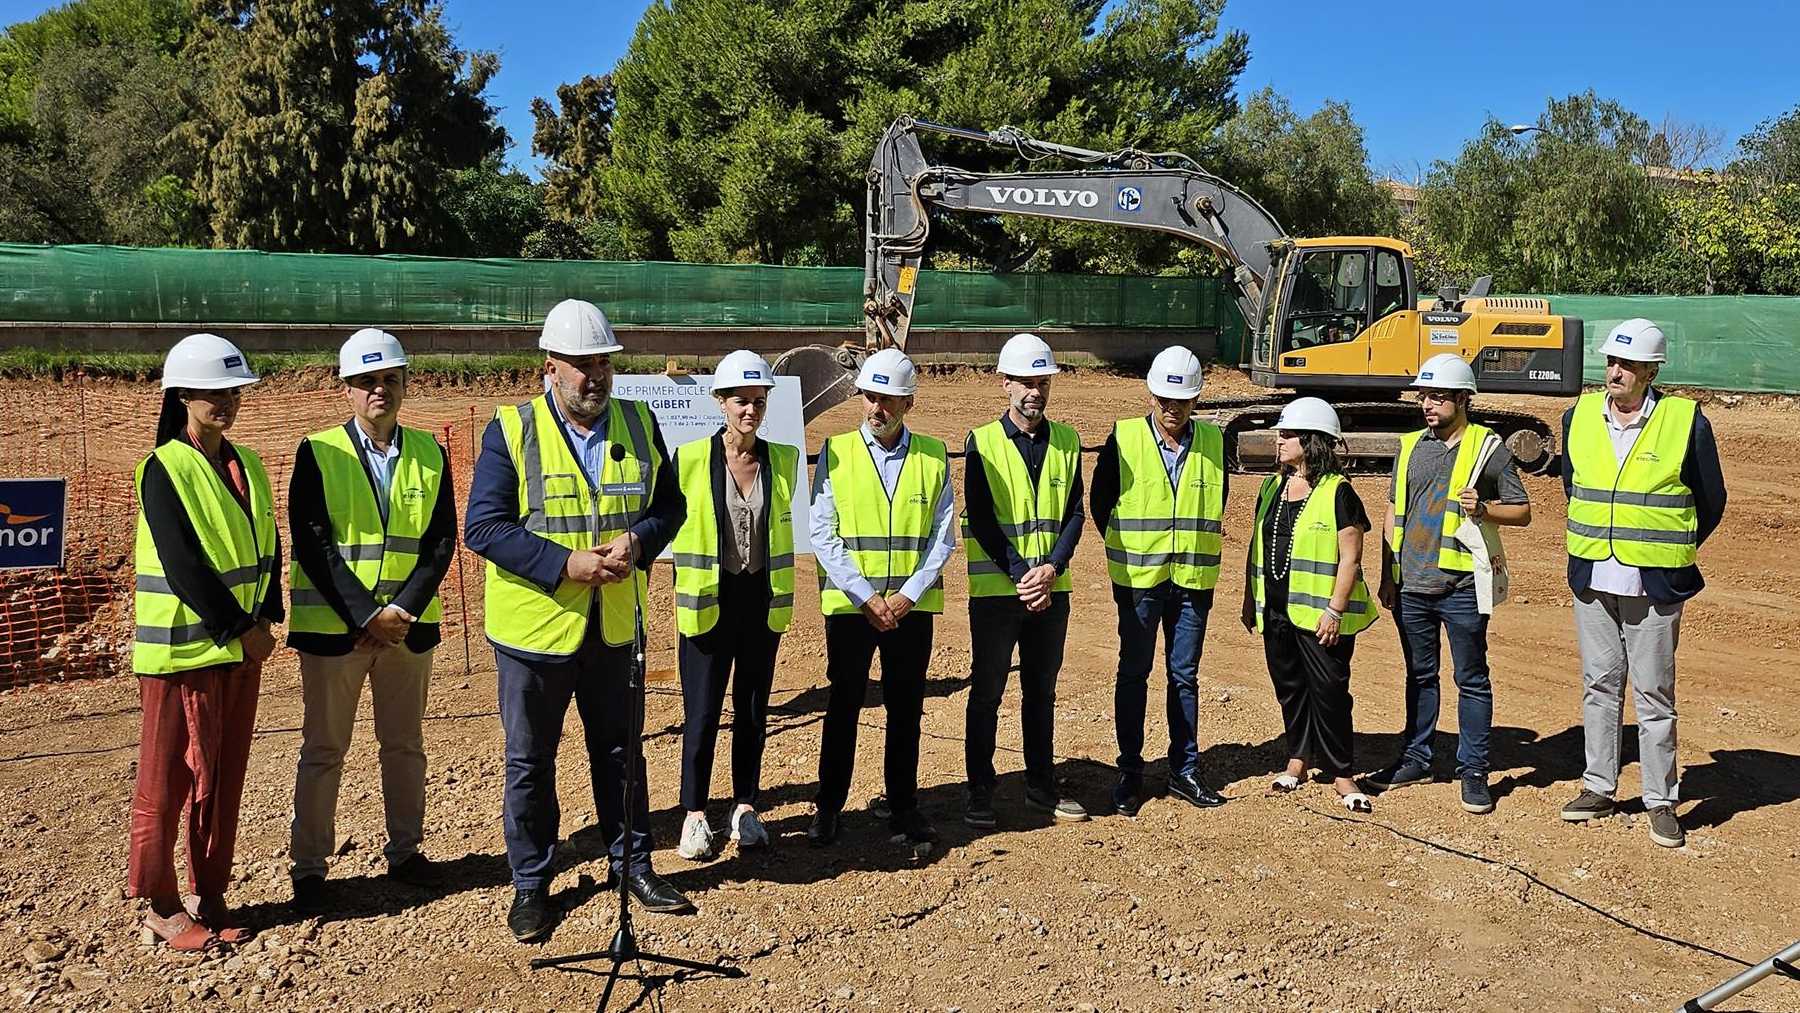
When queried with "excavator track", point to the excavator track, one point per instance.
{"points": [[1372, 431]]}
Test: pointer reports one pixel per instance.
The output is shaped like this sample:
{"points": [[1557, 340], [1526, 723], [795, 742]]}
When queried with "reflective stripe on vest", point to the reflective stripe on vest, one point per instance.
{"points": [[1452, 556], [1158, 532], [696, 545], [239, 548], [886, 539], [1312, 575], [1640, 513], [380, 554], [1030, 518], [558, 503]]}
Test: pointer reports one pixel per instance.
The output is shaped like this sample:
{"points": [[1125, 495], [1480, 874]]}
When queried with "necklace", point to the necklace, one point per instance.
{"points": [[1293, 520]]}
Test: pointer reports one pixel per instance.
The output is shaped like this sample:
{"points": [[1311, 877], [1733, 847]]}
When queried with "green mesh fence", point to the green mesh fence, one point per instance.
{"points": [[1727, 342], [126, 285]]}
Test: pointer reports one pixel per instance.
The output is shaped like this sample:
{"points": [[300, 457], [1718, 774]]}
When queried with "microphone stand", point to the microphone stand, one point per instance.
{"points": [[624, 945]]}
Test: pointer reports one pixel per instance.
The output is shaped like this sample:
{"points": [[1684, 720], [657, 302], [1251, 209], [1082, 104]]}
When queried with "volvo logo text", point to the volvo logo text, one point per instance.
{"points": [[1026, 196]]}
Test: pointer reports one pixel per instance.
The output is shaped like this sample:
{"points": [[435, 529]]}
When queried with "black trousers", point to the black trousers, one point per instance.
{"points": [[850, 647], [1312, 682], [996, 626], [740, 650], [534, 698]]}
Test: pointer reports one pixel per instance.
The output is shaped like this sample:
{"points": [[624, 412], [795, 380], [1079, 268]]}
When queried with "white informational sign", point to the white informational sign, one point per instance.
{"points": [[686, 411]]}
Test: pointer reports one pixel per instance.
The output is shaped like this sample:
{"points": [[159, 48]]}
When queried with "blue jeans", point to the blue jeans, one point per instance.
{"points": [[1181, 615], [1419, 617]]}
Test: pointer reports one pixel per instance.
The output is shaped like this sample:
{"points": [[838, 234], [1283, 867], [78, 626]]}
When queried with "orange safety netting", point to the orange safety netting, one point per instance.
{"points": [[76, 622]]}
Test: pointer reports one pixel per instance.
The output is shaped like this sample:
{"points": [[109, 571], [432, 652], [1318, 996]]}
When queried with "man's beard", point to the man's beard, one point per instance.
{"points": [[589, 406]]}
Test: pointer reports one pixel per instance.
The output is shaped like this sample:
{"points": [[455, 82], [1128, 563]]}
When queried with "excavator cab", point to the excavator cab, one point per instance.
{"points": [[1340, 316], [1328, 292]]}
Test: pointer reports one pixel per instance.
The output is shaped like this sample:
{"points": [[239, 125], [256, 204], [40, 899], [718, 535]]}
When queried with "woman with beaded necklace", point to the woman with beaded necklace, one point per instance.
{"points": [[1304, 593]]}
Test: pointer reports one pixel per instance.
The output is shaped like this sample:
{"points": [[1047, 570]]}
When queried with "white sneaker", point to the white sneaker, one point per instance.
{"points": [[747, 830], [696, 838]]}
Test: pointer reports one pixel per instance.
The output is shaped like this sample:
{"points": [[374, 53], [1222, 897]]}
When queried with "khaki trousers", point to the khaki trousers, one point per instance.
{"points": [[331, 687]]}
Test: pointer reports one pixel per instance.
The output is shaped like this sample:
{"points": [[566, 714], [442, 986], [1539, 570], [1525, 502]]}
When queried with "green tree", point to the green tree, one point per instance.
{"points": [[1731, 235], [741, 129], [90, 94], [575, 139], [336, 126], [1312, 174], [1562, 209], [490, 211], [1770, 154], [154, 25]]}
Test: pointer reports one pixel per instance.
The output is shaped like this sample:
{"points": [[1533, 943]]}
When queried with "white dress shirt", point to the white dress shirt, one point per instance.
{"points": [[828, 545]]}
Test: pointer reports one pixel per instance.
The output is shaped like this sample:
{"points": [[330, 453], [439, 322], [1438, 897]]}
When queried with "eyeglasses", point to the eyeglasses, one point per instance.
{"points": [[1437, 395]]}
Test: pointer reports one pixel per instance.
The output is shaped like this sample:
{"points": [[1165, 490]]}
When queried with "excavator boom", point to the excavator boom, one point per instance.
{"points": [[1162, 192]]}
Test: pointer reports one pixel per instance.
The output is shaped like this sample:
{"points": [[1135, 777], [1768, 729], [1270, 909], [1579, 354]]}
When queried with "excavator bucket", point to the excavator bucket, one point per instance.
{"points": [[827, 376]]}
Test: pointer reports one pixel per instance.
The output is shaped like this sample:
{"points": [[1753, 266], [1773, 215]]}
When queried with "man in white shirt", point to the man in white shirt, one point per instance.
{"points": [[883, 526]]}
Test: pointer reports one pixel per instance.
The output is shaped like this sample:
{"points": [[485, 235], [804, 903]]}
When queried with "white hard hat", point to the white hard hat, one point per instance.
{"points": [[1027, 354], [368, 350], [577, 327], [888, 371], [742, 368], [1446, 372], [1311, 415], [1636, 339], [1175, 372], [206, 362]]}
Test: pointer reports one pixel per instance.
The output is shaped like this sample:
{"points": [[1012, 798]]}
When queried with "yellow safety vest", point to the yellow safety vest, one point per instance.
{"points": [[239, 548], [1031, 519], [1158, 532], [696, 545], [886, 538], [380, 554], [1312, 570], [1641, 512], [1452, 556], [558, 503]]}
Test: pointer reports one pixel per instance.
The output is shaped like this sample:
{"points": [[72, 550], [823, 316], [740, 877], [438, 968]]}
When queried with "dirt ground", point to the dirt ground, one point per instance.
{"points": [[1269, 903]]}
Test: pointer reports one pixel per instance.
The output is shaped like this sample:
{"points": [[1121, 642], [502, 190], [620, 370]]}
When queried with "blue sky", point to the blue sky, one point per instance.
{"points": [[1420, 77]]}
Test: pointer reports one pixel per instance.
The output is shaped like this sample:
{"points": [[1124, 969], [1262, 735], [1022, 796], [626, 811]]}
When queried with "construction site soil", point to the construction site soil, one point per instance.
{"points": [[1273, 902]]}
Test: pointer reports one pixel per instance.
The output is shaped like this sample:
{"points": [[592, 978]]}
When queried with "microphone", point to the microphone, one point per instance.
{"points": [[618, 453]]}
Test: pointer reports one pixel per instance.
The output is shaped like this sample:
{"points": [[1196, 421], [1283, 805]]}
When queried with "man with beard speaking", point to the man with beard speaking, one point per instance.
{"points": [[572, 500]]}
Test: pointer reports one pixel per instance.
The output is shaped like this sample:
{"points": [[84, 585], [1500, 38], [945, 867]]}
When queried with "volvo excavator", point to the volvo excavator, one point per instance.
{"points": [[1338, 317]]}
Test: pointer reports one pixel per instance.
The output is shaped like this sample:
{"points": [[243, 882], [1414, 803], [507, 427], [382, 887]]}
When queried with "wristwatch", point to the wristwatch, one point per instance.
{"points": [[1480, 508]]}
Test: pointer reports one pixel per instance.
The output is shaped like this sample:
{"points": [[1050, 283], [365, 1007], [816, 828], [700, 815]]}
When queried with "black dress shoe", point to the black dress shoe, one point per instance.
{"points": [[824, 829], [309, 896], [657, 894], [1128, 795], [1188, 788], [530, 918]]}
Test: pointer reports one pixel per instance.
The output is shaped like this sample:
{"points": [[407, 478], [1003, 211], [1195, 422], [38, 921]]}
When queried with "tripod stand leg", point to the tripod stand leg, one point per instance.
{"points": [[612, 978], [724, 970]]}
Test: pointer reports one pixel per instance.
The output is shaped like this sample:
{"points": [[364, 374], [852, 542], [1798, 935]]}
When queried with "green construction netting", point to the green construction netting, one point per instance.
{"points": [[127, 285], [1728, 342]]}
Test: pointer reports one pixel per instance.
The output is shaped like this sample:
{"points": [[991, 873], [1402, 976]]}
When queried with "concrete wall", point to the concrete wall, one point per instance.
{"points": [[491, 339]]}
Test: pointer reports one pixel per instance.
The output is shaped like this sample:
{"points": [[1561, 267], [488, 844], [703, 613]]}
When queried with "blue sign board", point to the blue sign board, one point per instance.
{"points": [[32, 514]]}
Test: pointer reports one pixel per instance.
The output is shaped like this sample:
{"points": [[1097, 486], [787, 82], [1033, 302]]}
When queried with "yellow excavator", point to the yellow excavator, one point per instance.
{"points": [[1338, 317]]}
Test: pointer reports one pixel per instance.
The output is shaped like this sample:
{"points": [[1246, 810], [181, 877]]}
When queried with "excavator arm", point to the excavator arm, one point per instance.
{"points": [[1160, 191]]}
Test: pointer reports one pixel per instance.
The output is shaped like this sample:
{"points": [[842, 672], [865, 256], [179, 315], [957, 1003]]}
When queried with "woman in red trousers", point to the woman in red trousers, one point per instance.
{"points": [[207, 592]]}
